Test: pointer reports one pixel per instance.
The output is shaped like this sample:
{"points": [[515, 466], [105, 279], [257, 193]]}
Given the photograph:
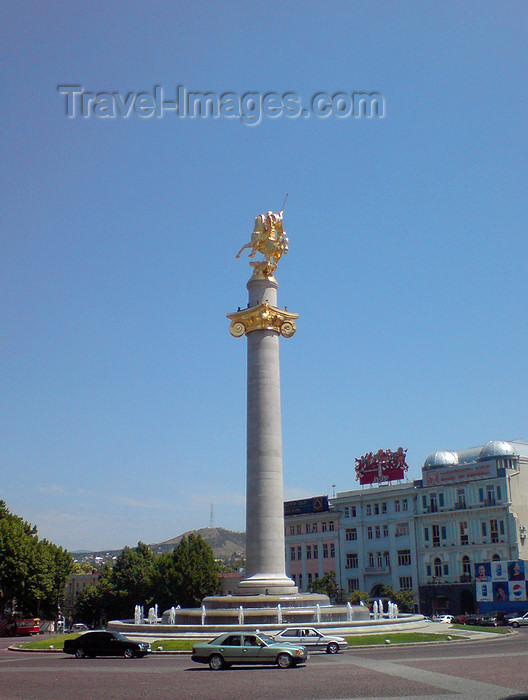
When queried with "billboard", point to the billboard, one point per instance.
{"points": [[385, 465], [319, 504], [501, 581]]}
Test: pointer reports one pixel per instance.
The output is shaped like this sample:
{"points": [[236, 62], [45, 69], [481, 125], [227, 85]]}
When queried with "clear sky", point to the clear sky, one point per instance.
{"points": [[123, 402]]}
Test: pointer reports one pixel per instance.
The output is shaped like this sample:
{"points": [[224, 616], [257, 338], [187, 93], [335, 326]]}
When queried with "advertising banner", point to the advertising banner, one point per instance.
{"points": [[517, 590], [484, 591], [499, 571]]}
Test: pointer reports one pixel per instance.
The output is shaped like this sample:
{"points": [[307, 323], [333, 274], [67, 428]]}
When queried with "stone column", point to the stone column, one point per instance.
{"points": [[263, 323]]}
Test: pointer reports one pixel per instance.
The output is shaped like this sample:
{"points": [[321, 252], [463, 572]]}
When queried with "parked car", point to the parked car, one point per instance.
{"points": [[496, 618], [443, 618], [518, 621], [79, 627], [100, 643], [311, 638], [466, 619], [247, 648]]}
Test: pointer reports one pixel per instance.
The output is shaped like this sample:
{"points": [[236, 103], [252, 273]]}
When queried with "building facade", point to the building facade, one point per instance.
{"points": [[470, 506]]}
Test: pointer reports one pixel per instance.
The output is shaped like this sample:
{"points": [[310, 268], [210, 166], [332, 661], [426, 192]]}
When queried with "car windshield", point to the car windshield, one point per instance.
{"points": [[265, 638], [120, 636]]}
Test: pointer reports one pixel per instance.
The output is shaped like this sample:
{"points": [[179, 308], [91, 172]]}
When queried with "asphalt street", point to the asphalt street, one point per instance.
{"points": [[488, 669]]}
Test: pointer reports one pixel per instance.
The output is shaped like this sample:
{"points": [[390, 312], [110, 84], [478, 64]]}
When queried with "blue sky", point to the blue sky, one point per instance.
{"points": [[123, 394]]}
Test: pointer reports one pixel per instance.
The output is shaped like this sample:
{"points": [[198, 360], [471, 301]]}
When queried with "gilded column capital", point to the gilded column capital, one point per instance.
{"points": [[262, 317]]}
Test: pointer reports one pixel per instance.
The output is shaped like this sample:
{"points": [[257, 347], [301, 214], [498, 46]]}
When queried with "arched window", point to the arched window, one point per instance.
{"points": [[438, 567], [466, 565], [495, 557]]}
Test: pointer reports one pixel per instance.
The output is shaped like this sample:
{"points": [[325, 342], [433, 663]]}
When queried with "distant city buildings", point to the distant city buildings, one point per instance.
{"points": [[470, 506]]}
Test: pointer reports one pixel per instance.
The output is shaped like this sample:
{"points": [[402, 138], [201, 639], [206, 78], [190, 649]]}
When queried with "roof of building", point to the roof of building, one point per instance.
{"points": [[493, 448]]}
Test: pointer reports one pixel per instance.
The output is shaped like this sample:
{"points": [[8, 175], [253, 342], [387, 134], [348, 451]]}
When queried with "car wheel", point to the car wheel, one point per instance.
{"points": [[515, 624], [216, 662], [79, 653], [128, 653], [284, 660], [332, 648]]}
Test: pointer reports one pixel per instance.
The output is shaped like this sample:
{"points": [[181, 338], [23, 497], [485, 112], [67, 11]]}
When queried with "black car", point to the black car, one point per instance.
{"points": [[495, 619], [92, 644]]}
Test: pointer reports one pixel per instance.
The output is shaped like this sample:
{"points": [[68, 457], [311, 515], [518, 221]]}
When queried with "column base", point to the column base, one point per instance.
{"points": [[267, 584]]}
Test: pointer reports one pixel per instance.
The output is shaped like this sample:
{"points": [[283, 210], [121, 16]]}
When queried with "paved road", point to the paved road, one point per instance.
{"points": [[468, 670]]}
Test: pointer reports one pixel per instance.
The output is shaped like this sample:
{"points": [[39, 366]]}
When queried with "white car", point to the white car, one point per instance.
{"points": [[518, 621], [312, 639], [443, 618]]}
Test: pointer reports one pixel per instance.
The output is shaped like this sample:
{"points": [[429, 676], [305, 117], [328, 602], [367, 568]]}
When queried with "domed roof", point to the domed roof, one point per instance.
{"points": [[441, 458], [496, 448]]}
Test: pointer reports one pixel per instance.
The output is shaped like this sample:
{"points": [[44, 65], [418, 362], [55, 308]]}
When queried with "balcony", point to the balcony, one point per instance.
{"points": [[377, 569], [460, 505], [488, 502]]}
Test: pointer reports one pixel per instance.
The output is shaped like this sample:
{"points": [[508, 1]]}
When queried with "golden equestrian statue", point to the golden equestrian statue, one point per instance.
{"points": [[267, 238]]}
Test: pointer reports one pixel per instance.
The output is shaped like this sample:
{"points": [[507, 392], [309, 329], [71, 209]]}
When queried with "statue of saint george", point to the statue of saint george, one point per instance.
{"points": [[269, 239]]}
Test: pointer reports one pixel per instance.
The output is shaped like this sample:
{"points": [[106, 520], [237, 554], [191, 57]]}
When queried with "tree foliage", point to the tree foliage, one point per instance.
{"points": [[403, 599], [139, 577], [32, 571], [358, 597], [327, 584]]}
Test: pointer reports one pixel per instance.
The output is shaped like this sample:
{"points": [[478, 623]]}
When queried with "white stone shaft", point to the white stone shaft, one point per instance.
{"points": [[265, 564]]}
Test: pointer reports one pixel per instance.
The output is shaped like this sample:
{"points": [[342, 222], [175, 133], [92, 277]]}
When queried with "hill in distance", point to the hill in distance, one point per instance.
{"points": [[226, 544]]}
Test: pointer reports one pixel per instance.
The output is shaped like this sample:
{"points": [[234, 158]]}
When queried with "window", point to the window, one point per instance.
{"points": [[314, 527], [377, 532], [484, 529], [499, 494], [347, 512], [332, 550], [325, 551], [428, 569], [309, 578], [386, 558], [353, 584], [501, 527], [397, 506], [351, 534], [315, 551], [460, 498], [292, 553], [446, 569], [438, 568], [426, 534], [323, 527], [308, 551], [402, 529], [433, 504], [481, 495], [384, 507], [444, 532], [351, 561], [376, 509], [405, 504], [464, 536], [466, 566], [307, 528], [368, 509], [292, 530], [385, 531], [369, 532], [371, 559], [352, 511], [436, 536], [297, 529], [424, 502], [404, 557], [299, 553], [441, 500], [331, 526], [379, 559], [405, 583], [494, 531]]}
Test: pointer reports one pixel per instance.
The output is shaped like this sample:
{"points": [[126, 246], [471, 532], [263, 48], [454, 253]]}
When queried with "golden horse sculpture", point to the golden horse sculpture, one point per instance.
{"points": [[269, 239]]}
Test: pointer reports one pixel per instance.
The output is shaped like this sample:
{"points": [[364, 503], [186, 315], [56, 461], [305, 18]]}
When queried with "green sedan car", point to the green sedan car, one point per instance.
{"points": [[247, 648]]}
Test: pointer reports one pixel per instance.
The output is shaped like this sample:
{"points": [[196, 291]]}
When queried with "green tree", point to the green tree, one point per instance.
{"points": [[31, 570], [327, 584], [358, 597], [187, 574], [403, 599]]}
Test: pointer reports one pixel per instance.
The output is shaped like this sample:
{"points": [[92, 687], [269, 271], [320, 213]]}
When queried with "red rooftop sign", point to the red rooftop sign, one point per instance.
{"points": [[385, 465]]}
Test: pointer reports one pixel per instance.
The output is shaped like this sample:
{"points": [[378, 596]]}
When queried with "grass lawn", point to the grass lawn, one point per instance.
{"points": [[399, 638], [187, 644], [478, 628]]}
